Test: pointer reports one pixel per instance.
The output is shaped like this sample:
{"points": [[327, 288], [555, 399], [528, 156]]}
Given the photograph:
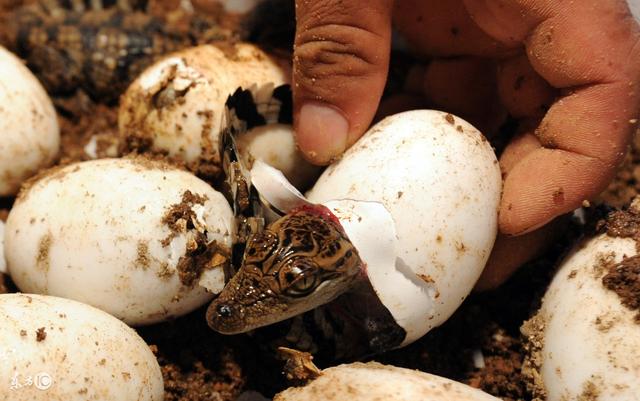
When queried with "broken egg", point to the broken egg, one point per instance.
{"points": [[584, 342], [439, 180], [57, 349], [132, 237], [178, 103], [418, 197], [28, 122], [374, 381], [177, 107]]}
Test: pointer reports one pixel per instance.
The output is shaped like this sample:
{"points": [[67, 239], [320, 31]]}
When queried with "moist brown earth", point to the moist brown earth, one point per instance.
{"points": [[624, 279], [480, 345]]}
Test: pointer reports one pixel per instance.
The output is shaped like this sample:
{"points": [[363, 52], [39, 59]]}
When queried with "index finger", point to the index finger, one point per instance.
{"points": [[590, 50]]}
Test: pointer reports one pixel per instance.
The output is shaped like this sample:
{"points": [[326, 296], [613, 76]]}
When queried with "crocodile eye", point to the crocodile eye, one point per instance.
{"points": [[303, 286], [299, 278]]}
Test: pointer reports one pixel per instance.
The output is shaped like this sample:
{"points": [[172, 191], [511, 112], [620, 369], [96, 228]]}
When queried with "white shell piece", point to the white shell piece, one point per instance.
{"points": [[590, 341], [95, 232], [212, 280], [371, 229], [28, 123], [273, 187], [440, 180], [80, 354], [374, 381]]}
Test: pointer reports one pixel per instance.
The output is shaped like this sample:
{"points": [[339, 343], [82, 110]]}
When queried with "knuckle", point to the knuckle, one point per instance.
{"points": [[337, 50]]}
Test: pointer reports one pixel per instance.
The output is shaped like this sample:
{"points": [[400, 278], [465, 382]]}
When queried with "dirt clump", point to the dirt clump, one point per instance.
{"points": [[41, 334], [624, 279]]}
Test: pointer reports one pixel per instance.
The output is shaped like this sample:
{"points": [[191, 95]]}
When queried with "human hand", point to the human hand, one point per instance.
{"points": [[569, 71]]}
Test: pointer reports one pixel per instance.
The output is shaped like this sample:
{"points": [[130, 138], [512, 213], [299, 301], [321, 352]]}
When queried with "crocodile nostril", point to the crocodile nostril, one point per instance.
{"points": [[224, 310]]}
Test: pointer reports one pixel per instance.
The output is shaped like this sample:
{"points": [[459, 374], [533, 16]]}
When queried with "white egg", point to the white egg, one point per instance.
{"points": [[57, 349], [374, 381], [178, 104], [275, 145], [28, 123], [129, 236], [439, 180], [583, 343]]}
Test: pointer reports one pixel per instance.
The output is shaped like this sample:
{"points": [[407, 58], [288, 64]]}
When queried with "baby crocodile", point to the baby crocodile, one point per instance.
{"points": [[305, 262], [299, 262]]}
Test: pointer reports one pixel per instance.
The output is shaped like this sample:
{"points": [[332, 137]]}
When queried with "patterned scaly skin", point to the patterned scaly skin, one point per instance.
{"points": [[299, 262], [98, 50]]}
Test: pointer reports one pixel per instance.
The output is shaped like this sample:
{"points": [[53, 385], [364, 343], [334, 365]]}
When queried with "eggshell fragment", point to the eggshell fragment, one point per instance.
{"points": [[128, 236], [274, 188], [584, 344], [177, 105], [57, 349], [439, 179], [28, 123], [374, 381]]}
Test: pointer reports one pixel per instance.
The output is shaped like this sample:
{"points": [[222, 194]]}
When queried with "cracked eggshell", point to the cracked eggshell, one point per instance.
{"points": [[71, 351], [178, 104], [439, 179], [275, 145], [28, 123], [374, 381], [583, 343], [113, 233]]}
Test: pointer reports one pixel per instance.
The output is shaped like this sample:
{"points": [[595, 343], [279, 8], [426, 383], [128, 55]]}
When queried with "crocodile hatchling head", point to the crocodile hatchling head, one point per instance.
{"points": [[299, 262]]}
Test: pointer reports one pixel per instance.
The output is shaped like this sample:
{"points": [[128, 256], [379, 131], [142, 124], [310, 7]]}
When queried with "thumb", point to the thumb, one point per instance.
{"points": [[340, 65]]}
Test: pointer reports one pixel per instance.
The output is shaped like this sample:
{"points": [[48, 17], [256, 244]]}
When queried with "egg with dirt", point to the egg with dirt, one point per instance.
{"points": [[133, 237], [58, 349], [177, 107], [595, 294], [374, 381]]}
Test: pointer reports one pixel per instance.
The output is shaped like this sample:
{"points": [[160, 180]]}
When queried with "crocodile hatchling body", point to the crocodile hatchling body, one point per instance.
{"points": [[304, 262], [99, 50]]}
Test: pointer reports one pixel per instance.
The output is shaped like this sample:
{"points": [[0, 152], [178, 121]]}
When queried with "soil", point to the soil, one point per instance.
{"points": [[480, 345], [624, 279], [41, 334], [626, 184]]}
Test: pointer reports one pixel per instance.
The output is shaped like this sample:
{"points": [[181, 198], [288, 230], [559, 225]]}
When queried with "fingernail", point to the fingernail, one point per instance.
{"points": [[322, 132]]}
